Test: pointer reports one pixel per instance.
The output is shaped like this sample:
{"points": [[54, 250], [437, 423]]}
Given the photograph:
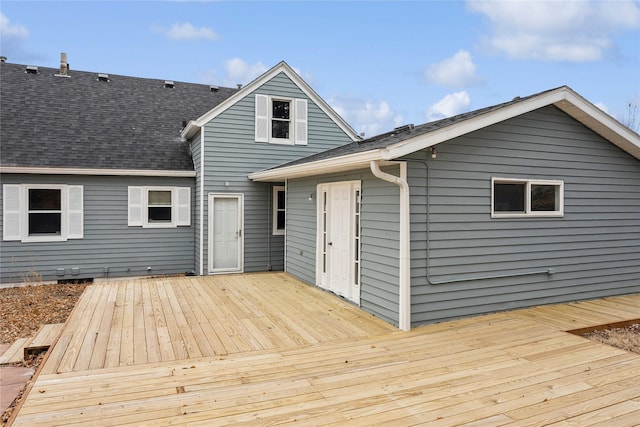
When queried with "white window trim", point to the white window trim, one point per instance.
{"points": [[66, 212], [275, 230], [298, 120], [528, 213], [141, 210]]}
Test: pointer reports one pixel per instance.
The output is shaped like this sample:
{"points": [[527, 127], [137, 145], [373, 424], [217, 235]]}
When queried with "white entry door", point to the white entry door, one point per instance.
{"points": [[338, 241], [225, 233]]}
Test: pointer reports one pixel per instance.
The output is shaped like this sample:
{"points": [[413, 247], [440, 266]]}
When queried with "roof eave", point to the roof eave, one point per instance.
{"points": [[96, 172], [320, 167], [564, 98], [190, 130]]}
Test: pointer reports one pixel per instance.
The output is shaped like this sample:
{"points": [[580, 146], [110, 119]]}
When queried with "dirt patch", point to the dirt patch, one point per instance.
{"points": [[625, 338], [25, 309]]}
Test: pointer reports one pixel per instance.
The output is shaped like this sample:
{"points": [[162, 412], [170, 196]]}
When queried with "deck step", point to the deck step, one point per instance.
{"points": [[15, 353], [45, 337]]}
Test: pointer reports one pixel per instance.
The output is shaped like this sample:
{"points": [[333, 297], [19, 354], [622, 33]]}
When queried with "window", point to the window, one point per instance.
{"points": [[42, 213], [279, 209], [157, 207], [519, 197], [280, 120]]}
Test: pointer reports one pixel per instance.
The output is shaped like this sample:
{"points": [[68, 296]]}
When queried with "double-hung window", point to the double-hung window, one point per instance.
{"points": [[156, 207], [42, 212], [279, 210], [280, 120], [522, 197]]}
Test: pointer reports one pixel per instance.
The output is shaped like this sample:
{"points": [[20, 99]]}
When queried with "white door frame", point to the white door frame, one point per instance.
{"points": [[240, 198], [323, 249]]}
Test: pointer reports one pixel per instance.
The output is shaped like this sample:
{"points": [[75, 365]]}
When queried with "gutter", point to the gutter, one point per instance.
{"points": [[96, 171], [404, 279]]}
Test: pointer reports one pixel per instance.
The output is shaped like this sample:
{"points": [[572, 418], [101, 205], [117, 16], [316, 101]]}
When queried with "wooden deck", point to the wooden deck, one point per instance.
{"points": [[265, 349]]}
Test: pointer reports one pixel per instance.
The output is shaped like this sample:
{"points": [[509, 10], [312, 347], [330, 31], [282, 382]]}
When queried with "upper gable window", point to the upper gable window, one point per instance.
{"points": [[521, 197], [281, 120]]}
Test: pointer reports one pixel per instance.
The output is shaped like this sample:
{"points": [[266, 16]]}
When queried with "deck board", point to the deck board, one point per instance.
{"points": [[265, 349]]}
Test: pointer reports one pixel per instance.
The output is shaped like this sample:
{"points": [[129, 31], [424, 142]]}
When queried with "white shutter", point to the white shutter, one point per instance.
{"points": [[183, 205], [135, 206], [75, 215], [262, 118], [11, 212], [300, 112]]}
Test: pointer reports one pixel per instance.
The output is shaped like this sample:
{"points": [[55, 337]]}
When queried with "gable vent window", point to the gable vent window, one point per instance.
{"points": [[281, 120], [511, 198]]}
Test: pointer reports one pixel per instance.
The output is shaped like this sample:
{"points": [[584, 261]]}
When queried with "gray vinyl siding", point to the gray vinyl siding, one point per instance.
{"points": [[108, 241], [594, 250], [231, 154], [379, 237]]}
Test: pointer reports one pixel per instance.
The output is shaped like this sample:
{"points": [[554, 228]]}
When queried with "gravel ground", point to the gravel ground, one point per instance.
{"points": [[625, 338], [25, 309]]}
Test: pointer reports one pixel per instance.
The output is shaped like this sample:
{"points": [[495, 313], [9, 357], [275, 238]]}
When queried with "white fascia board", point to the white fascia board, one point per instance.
{"points": [[100, 172], [282, 67], [335, 164], [189, 130], [464, 127], [564, 98], [601, 123]]}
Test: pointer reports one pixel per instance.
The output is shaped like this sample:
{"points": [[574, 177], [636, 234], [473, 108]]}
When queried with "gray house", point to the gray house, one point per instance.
{"points": [[107, 175], [529, 202]]}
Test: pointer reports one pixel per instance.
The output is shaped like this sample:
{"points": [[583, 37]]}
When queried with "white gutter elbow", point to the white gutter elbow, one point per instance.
{"points": [[404, 279]]}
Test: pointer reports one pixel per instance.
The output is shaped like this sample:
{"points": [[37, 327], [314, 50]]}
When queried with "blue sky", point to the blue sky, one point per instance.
{"points": [[379, 64]]}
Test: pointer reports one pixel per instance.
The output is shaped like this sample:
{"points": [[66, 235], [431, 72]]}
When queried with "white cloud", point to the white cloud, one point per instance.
{"points": [[187, 31], [236, 71], [574, 31], [7, 30], [368, 116], [456, 71], [450, 105], [240, 71]]}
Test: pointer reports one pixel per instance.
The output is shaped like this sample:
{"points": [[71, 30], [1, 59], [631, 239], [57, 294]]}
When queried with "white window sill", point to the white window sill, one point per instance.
{"points": [[528, 215], [42, 239], [281, 141]]}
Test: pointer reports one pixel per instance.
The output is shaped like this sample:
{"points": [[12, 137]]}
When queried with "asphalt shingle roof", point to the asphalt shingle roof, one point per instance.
{"points": [[80, 122], [402, 133]]}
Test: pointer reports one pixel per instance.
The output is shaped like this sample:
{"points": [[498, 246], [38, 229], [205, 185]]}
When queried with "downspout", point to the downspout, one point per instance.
{"points": [[404, 303], [202, 201]]}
